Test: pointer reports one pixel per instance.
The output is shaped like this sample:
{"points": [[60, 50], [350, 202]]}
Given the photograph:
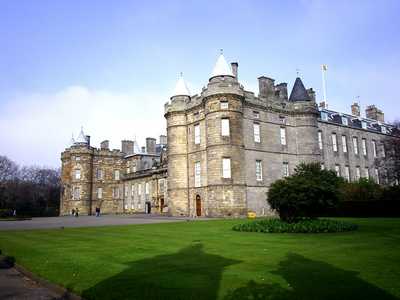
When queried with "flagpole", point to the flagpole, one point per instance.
{"points": [[323, 70]]}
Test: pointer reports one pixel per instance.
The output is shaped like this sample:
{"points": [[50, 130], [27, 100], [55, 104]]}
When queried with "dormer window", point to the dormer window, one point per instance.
{"points": [[324, 116], [345, 121], [256, 114], [363, 125], [224, 104], [383, 129]]}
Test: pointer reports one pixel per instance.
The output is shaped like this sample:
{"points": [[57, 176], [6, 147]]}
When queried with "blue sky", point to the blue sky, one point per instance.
{"points": [[111, 65]]}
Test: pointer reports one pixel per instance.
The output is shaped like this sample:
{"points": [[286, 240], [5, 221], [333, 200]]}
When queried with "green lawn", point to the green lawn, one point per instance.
{"points": [[207, 260]]}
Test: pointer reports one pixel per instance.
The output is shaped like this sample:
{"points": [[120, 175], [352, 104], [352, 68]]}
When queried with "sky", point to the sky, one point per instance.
{"points": [[110, 66]]}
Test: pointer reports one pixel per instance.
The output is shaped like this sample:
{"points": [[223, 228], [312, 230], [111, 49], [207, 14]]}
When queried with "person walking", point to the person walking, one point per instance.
{"points": [[76, 212], [97, 211]]}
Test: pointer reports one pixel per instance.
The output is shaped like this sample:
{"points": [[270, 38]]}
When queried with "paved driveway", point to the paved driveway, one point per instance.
{"points": [[86, 221]]}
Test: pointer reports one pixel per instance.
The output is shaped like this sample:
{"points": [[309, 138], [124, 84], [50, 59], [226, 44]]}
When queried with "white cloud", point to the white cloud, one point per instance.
{"points": [[36, 127]]}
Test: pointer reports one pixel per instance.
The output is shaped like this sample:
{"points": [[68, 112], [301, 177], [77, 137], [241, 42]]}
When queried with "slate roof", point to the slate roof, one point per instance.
{"points": [[299, 92], [331, 116]]}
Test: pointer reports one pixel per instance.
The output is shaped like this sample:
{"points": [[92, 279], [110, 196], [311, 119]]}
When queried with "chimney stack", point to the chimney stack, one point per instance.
{"points": [[127, 147], [372, 112], [282, 90], [234, 66], [88, 140], [105, 145], [163, 139], [265, 86], [355, 109], [151, 145]]}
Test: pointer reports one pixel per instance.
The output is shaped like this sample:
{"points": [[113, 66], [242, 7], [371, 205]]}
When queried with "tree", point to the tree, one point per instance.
{"points": [[306, 194], [391, 162], [8, 169]]}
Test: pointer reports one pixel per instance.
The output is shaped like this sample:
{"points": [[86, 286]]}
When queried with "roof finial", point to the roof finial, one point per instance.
{"points": [[297, 72]]}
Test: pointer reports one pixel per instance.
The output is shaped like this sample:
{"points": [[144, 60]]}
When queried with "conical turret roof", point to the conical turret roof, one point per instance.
{"points": [[221, 68], [181, 88], [299, 92], [81, 139]]}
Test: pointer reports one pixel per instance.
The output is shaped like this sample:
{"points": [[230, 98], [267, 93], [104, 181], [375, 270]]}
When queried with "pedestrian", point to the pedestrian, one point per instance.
{"points": [[76, 212], [73, 212], [14, 213], [97, 211]]}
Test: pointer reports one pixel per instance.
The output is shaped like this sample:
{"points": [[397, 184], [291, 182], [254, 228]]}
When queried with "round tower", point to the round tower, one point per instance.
{"points": [[223, 106], [177, 150], [76, 173]]}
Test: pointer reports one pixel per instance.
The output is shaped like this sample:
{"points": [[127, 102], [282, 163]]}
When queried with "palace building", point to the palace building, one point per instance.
{"points": [[223, 149]]}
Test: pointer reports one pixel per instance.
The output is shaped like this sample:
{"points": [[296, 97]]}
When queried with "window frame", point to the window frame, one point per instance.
{"points": [[282, 131], [226, 168], [197, 134], [197, 174], [225, 127], [257, 132], [259, 170]]}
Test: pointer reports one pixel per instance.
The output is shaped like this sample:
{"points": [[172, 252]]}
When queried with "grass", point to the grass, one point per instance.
{"points": [[208, 260]]}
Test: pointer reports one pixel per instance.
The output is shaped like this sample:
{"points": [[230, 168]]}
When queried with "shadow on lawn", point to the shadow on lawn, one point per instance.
{"points": [[193, 274], [188, 274], [309, 279]]}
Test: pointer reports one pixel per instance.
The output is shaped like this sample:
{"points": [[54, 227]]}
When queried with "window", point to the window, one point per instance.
{"points": [[337, 170], [345, 121], [147, 188], [197, 174], [347, 173], [322, 166], [99, 174], [256, 129], [377, 175], [77, 158], [283, 135], [344, 143], [324, 116], [139, 189], [133, 191], [355, 145], [358, 173], [134, 168], [226, 168], [116, 174], [334, 142], [162, 185], [383, 150], [197, 134], [363, 124], [225, 127], [259, 176], [128, 170], [77, 174], [367, 173], [383, 129], [126, 191], [320, 140], [374, 148], [256, 114], [364, 146], [99, 193], [76, 193], [285, 169], [115, 192], [224, 105]]}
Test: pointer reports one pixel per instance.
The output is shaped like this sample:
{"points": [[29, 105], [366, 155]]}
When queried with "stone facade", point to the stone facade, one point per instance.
{"points": [[224, 148]]}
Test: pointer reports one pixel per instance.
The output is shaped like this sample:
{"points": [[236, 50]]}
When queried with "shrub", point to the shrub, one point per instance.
{"points": [[302, 226], [362, 190], [306, 194], [391, 193]]}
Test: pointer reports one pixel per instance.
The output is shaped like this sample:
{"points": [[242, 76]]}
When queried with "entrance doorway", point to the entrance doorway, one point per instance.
{"points": [[148, 207], [198, 205], [161, 205]]}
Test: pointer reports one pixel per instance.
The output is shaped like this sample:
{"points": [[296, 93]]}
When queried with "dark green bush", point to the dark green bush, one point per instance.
{"points": [[303, 226], [362, 190], [391, 193], [306, 194]]}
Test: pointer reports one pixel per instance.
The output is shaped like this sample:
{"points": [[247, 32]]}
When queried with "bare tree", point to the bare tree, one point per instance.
{"points": [[8, 169]]}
